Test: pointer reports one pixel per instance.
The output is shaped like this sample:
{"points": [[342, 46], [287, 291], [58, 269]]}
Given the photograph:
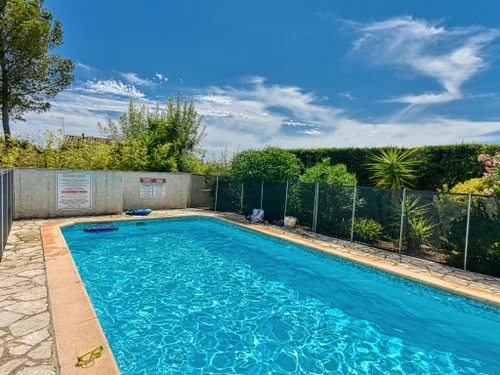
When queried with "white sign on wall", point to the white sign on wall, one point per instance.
{"points": [[152, 187], [74, 190]]}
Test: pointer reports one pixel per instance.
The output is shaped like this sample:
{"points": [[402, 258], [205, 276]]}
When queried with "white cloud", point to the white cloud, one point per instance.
{"points": [[297, 123], [134, 79], [258, 114], [161, 77], [85, 67], [451, 56], [110, 87], [311, 132], [346, 94]]}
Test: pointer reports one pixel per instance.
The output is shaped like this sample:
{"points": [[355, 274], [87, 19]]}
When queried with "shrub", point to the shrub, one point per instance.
{"points": [[474, 186], [367, 230], [438, 165], [392, 168], [325, 173], [271, 163]]}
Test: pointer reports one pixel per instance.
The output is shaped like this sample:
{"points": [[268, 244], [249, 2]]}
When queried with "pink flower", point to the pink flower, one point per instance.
{"points": [[480, 158], [487, 175], [489, 170], [488, 163], [495, 162], [488, 191]]}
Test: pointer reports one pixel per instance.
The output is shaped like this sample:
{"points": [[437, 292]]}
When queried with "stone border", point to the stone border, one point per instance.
{"points": [[76, 327], [74, 317]]}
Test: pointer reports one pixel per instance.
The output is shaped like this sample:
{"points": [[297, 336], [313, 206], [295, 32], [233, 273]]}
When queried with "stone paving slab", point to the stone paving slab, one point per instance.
{"points": [[26, 330]]}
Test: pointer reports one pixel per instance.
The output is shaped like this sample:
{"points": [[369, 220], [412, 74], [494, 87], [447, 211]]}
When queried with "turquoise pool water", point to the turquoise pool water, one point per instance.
{"points": [[199, 296]]}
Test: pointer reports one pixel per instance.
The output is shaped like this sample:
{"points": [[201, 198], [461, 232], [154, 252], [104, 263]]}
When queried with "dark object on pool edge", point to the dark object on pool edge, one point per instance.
{"points": [[100, 228], [140, 212]]}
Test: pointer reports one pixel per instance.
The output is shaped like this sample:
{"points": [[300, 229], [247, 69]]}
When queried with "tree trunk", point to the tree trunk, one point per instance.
{"points": [[4, 94], [5, 103]]}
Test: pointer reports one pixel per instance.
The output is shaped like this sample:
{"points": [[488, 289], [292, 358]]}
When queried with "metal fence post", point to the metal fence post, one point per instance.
{"points": [[216, 192], [261, 194], [467, 232], [7, 175], [353, 212], [402, 223], [315, 210], [11, 198], [286, 199], [241, 203]]}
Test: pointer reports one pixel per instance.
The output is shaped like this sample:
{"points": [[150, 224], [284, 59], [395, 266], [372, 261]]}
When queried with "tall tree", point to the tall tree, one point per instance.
{"points": [[170, 134], [30, 74]]}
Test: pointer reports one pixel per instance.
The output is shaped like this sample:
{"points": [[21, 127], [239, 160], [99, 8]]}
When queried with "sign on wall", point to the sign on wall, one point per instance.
{"points": [[74, 190], [152, 187]]}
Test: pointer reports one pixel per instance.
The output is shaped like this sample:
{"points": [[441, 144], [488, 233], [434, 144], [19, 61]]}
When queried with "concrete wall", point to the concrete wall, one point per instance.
{"points": [[176, 191], [112, 192], [35, 194]]}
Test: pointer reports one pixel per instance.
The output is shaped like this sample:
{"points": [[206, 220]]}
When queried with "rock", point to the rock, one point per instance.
{"points": [[38, 292], [18, 289], [1, 352], [28, 308], [8, 317], [44, 351], [10, 366], [32, 324], [35, 337], [7, 302], [40, 280], [2, 333], [31, 273], [38, 370], [18, 349], [11, 281]]}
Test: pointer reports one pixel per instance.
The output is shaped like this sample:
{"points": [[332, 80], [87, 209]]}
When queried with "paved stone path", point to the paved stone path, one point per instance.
{"points": [[26, 337], [26, 340]]}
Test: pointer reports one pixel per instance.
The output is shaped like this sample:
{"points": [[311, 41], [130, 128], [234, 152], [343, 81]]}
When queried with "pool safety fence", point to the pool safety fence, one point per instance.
{"points": [[6, 205], [460, 230]]}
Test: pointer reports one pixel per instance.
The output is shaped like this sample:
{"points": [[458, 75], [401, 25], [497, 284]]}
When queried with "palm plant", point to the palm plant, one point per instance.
{"points": [[392, 168]]}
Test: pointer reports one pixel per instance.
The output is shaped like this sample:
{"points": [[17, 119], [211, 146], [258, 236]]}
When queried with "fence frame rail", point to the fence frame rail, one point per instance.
{"points": [[6, 206]]}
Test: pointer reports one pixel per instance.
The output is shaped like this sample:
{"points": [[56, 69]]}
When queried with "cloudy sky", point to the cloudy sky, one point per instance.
{"points": [[287, 72]]}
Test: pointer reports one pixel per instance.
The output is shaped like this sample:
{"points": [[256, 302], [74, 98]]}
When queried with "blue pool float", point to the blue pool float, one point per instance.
{"points": [[140, 212], [100, 228]]}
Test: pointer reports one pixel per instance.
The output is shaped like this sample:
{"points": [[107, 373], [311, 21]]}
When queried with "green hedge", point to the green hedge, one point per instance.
{"points": [[439, 165]]}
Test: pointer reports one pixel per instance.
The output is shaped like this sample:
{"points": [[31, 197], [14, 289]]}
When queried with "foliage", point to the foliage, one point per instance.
{"points": [[484, 242], [473, 186], [29, 72], [418, 227], [492, 173], [170, 137], [271, 163], [47, 150], [367, 230], [218, 165], [392, 168], [437, 165], [325, 173]]}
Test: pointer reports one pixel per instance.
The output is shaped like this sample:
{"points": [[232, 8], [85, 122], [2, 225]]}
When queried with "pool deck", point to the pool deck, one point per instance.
{"points": [[47, 319]]}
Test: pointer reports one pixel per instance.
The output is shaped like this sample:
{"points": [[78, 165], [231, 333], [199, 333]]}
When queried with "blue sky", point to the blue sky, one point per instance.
{"points": [[289, 73]]}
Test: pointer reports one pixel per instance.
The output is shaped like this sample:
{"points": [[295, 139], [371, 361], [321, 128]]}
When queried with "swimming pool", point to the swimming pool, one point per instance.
{"points": [[198, 295]]}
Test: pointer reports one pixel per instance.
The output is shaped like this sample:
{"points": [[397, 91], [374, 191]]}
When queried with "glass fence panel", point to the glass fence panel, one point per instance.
{"points": [[483, 254], [335, 205], [274, 201], [301, 203], [378, 217]]}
